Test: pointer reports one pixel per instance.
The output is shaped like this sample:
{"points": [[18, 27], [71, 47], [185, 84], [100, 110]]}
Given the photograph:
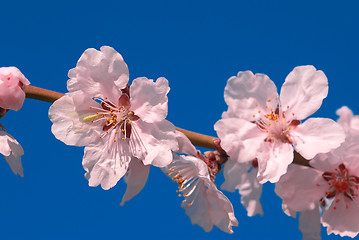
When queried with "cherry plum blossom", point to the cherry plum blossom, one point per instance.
{"points": [[12, 152], [261, 125], [12, 96], [333, 183], [243, 177], [115, 121], [203, 202]]}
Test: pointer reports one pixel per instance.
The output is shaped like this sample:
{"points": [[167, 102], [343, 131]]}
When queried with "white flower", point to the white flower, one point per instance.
{"points": [[115, 121], [243, 177], [12, 152], [260, 125], [334, 183], [203, 202]]}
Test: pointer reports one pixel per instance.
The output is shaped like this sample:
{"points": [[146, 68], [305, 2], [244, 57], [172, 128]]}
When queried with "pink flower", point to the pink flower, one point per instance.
{"points": [[243, 177], [203, 202], [334, 183], [115, 121], [12, 83], [260, 125]]}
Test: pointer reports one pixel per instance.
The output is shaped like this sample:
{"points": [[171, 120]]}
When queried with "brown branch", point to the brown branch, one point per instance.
{"points": [[42, 94], [197, 139]]}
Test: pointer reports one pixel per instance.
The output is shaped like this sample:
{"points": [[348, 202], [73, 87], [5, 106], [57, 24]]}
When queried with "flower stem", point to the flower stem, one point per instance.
{"points": [[197, 139]]}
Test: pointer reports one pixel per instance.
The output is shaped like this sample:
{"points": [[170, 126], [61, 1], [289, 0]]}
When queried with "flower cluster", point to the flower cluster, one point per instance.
{"points": [[12, 96], [122, 125]]}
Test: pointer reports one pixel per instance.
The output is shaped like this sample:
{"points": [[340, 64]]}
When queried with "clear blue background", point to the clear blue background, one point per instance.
{"points": [[197, 46]]}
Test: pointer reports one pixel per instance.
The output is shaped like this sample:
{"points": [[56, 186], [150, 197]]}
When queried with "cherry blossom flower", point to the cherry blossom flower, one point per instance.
{"points": [[12, 152], [115, 121], [261, 125], [334, 183], [243, 177], [12, 96], [12, 83], [203, 202]]}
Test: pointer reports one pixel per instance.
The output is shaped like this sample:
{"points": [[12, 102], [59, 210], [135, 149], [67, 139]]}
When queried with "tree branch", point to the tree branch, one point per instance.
{"points": [[197, 139]]}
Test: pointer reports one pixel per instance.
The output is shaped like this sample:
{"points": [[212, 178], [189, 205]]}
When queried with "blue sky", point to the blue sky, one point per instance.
{"points": [[197, 46]]}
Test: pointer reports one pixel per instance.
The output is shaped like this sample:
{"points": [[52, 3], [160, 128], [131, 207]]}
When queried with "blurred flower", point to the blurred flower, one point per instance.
{"points": [[259, 125], [243, 177], [12, 83], [203, 202], [115, 121], [334, 183]]}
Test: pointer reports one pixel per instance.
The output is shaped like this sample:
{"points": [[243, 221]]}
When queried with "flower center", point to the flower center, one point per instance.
{"points": [[341, 184], [275, 124], [118, 116]]}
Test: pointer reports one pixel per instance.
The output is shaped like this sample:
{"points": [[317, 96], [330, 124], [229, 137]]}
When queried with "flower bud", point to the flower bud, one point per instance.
{"points": [[12, 83]]}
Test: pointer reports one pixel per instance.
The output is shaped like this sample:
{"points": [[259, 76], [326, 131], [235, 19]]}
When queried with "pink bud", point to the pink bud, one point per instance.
{"points": [[12, 83]]}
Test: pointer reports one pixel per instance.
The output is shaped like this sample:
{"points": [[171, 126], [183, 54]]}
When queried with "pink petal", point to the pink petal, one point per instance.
{"points": [[204, 203], [342, 220], [309, 224], [303, 91], [135, 178], [317, 135], [245, 91], [241, 139], [221, 210], [273, 161], [12, 152], [149, 99], [301, 188], [237, 177], [99, 74], [155, 142], [347, 120]]}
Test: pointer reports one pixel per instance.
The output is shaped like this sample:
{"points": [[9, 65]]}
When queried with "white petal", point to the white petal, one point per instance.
{"points": [[184, 144], [12, 152], [240, 176], [66, 114], [149, 99], [298, 188], [245, 91], [309, 224], [347, 120], [204, 203], [273, 161], [155, 142], [288, 211], [105, 164], [317, 135], [341, 220], [135, 178], [303, 91], [240, 139], [4, 144], [221, 210], [99, 73]]}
